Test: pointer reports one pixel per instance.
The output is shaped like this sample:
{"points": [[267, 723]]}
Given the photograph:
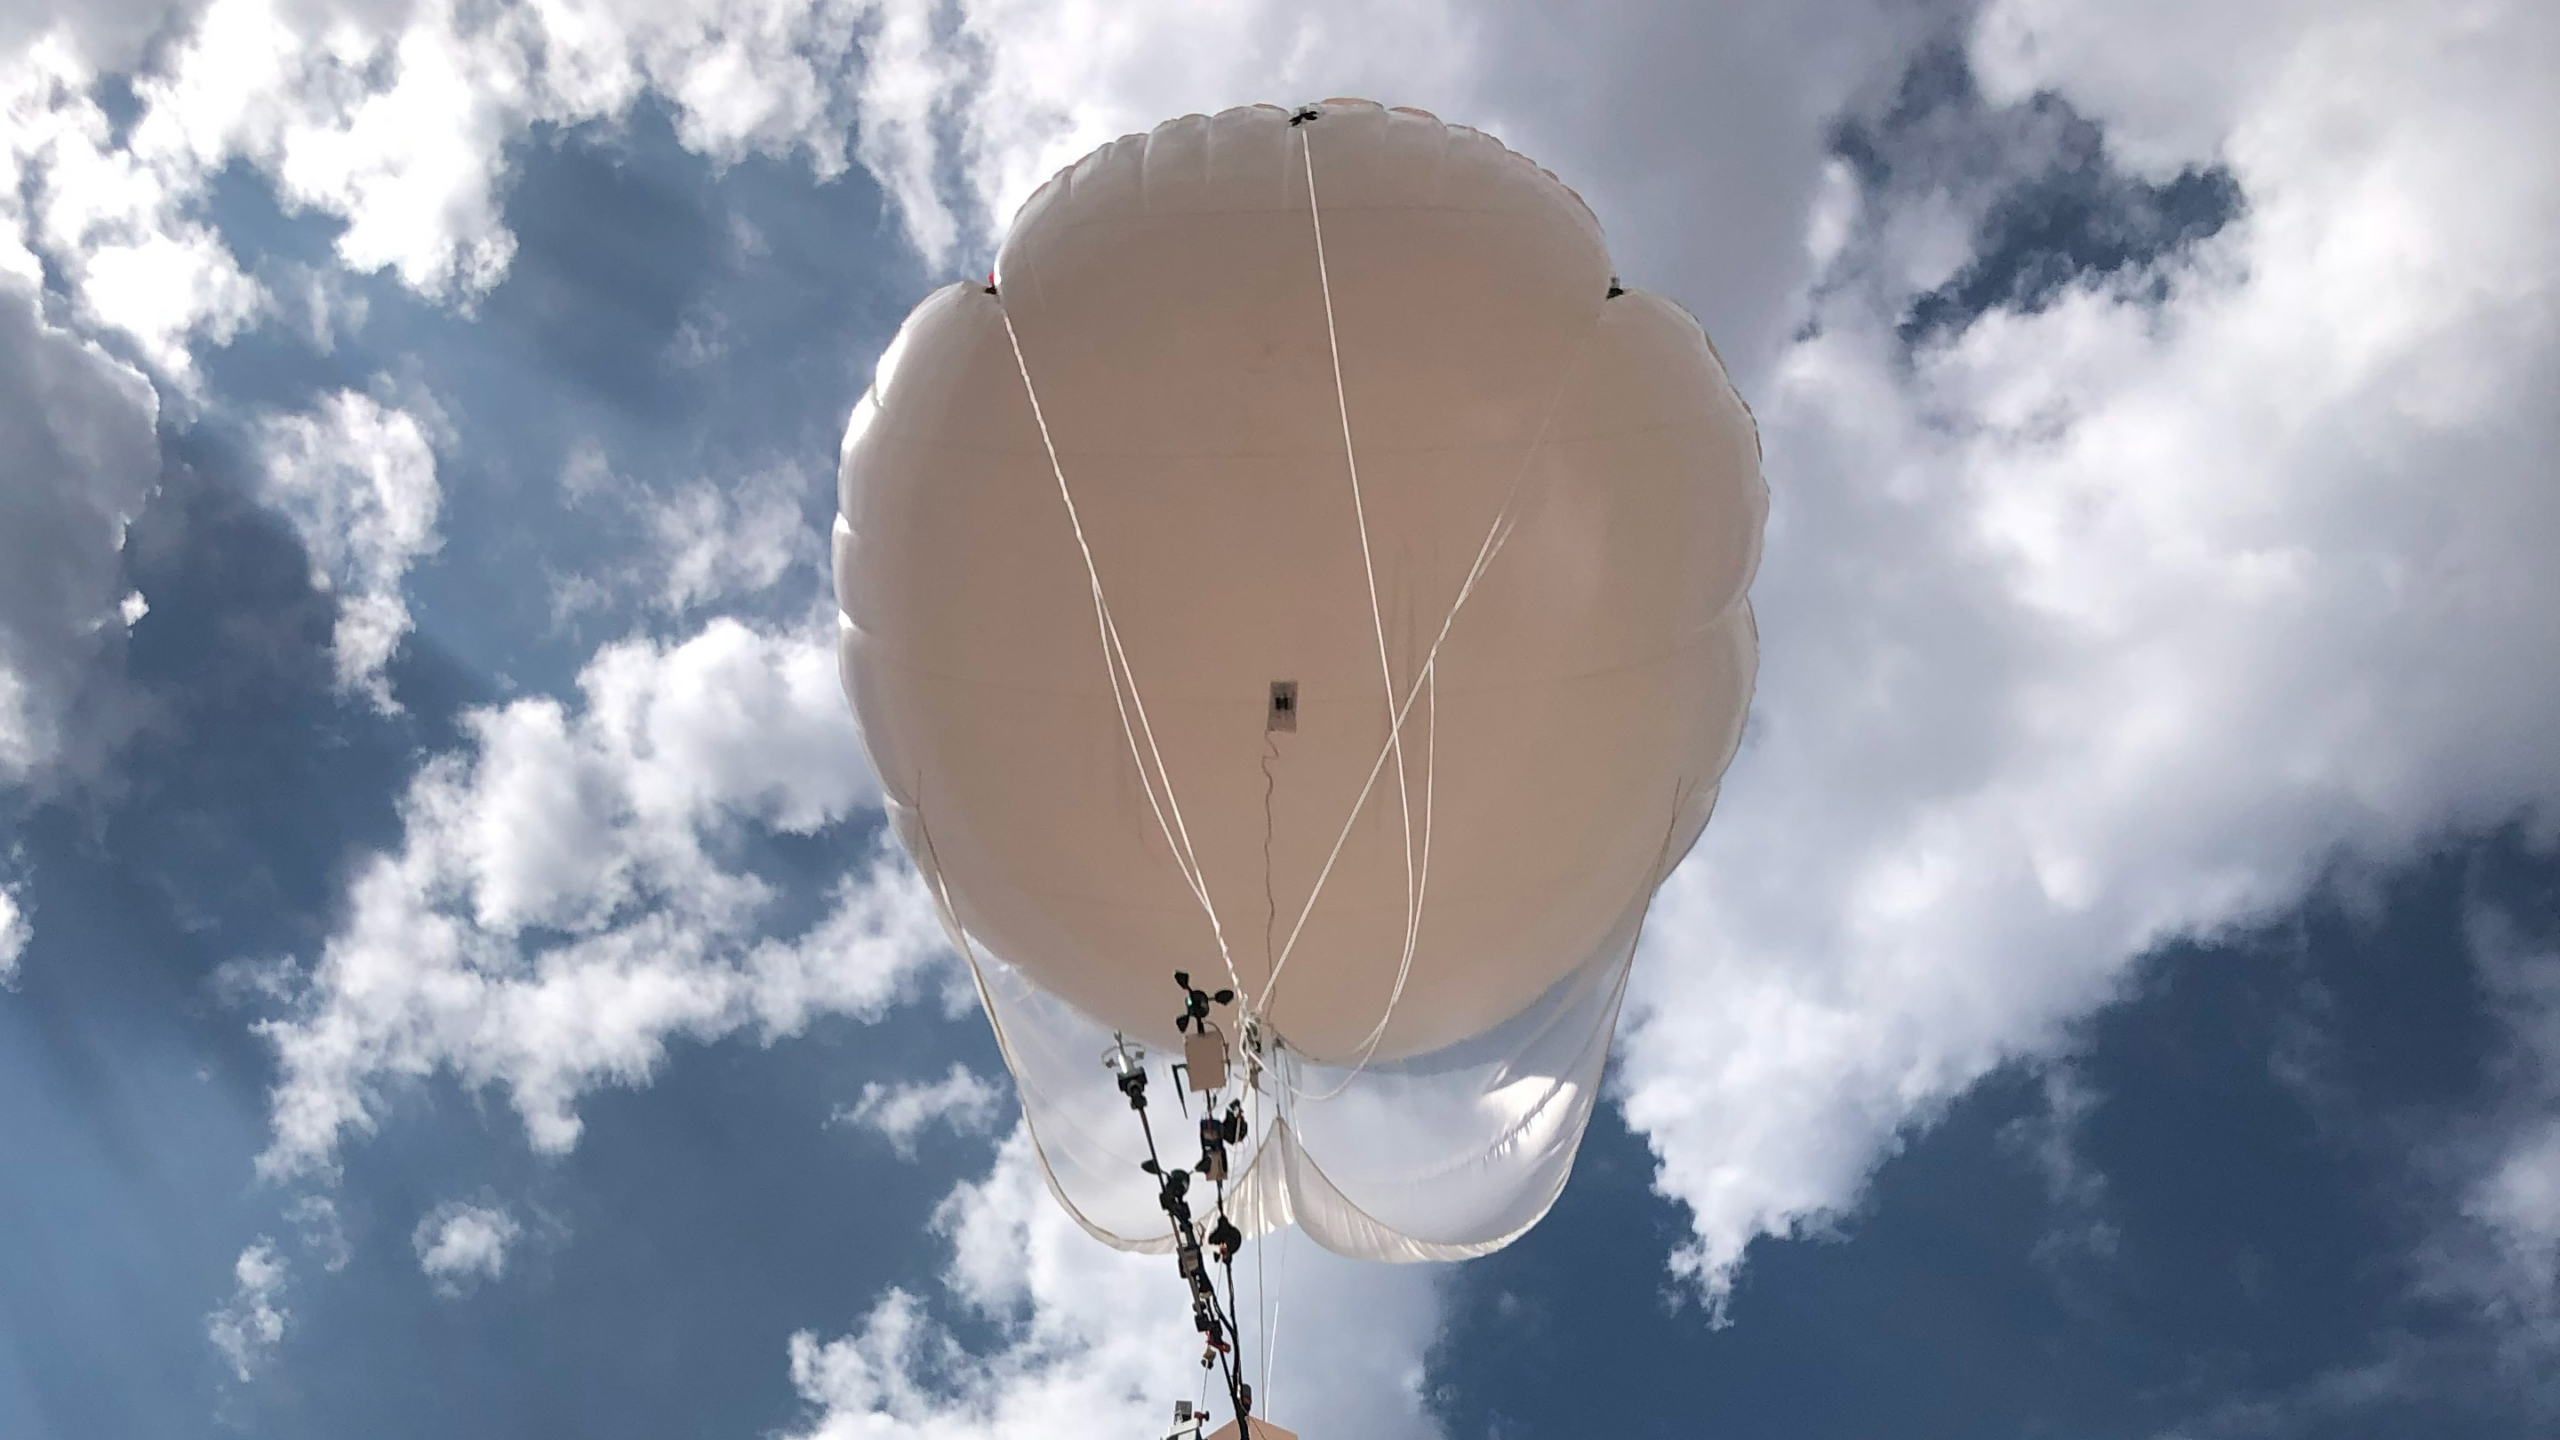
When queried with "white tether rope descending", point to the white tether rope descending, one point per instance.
{"points": [[1417, 878], [1425, 679], [1115, 660]]}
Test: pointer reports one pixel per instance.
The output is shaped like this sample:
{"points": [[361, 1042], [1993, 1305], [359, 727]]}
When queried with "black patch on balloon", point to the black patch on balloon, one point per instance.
{"points": [[1284, 708]]}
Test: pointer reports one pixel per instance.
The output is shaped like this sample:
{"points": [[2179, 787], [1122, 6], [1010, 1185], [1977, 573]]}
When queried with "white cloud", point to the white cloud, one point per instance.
{"points": [[1091, 1343], [565, 900], [1698, 133], [395, 120], [963, 1101], [2520, 1201], [251, 1324], [697, 544], [718, 541], [117, 222], [2118, 621], [16, 930], [77, 428], [323, 1233], [109, 35], [461, 1245], [358, 479]]}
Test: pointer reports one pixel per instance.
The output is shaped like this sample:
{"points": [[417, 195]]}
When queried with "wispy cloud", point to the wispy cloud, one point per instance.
{"points": [[251, 1324], [699, 545], [962, 1101], [358, 480], [459, 1245]]}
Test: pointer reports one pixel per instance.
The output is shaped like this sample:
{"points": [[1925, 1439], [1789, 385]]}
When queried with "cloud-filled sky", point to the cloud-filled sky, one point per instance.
{"points": [[454, 978]]}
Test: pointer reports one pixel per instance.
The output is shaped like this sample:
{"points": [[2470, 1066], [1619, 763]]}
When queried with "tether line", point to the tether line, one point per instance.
{"points": [[1115, 660]]}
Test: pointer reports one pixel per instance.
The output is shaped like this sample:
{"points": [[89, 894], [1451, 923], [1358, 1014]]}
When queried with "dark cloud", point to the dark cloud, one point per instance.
{"points": [[2043, 202]]}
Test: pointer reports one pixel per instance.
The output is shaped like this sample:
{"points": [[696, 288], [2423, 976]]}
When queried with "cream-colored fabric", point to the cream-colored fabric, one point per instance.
{"points": [[1164, 300]]}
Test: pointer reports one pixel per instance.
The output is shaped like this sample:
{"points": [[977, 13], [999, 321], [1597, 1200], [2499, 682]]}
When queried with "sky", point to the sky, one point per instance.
{"points": [[454, 980]]}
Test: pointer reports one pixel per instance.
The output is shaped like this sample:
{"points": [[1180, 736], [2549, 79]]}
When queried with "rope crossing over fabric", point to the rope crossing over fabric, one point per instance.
{"points": [[1416, 880], [1425, 686], [1115, 660]]}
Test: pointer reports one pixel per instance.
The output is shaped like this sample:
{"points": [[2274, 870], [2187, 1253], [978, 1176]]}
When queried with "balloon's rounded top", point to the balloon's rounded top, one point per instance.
{"points": [[1184, 140]]}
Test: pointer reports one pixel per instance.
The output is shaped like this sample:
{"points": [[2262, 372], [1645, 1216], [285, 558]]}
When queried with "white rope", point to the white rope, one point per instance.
{"points": [[1368, 564], [1417, 878], [1271, 1323], [1261, 1270], [1413, 921], [1271, 1327], [1496, 536], [1115, 660]]}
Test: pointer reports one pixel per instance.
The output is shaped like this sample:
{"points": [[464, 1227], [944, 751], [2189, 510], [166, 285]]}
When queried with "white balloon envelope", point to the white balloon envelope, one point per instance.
{"points": [[1304, 567]]}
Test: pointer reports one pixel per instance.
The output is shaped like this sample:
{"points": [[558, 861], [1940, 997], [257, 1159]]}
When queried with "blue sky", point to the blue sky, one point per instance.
{"points": [[456, 983]]}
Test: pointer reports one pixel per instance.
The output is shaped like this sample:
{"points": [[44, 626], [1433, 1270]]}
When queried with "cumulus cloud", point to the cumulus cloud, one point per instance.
{"points": [[569, 893], [393, 120], [1091, 1343], [460, 1245], [962, 1101], [118, 223], [358, 480], [2118, 616], [251, 1324], [717, 541], [77, 427]]}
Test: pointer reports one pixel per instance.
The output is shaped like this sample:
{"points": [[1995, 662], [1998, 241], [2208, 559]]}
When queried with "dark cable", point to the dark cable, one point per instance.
{"points": [[1187, 1238]]}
